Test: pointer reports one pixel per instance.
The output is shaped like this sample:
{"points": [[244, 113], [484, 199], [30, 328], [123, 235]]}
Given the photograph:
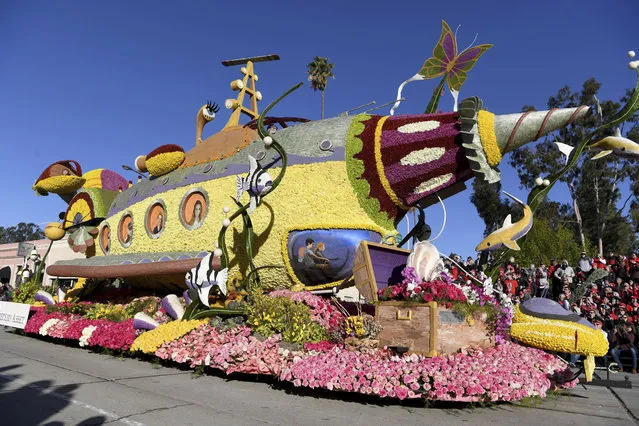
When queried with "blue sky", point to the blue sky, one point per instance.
{"points": [[103, 82]]}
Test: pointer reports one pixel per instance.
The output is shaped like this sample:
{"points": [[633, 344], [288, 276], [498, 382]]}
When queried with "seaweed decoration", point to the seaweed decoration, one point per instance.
{"points": [[244, 209], [539, 193]]}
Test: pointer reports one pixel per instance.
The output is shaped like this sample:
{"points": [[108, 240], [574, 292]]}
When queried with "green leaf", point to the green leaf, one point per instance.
{"points": [[630, 108], [434, 100], [218, 312]]}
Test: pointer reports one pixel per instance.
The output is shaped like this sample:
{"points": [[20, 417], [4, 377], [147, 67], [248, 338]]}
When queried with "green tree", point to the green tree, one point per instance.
{"points": [[319, 71], [594, 185], [20, 232], [545, 242]]}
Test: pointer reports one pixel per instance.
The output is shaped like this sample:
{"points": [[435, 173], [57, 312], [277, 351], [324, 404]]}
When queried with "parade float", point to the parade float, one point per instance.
{"points": [[271, 247]]}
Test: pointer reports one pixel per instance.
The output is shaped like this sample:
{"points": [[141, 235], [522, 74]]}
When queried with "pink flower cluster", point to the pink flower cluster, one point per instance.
{"points": [[322, 346], [503, 373], [231, 350], [108, 334], [322, 310], [113, 335], [412, 289], [39, 318]]}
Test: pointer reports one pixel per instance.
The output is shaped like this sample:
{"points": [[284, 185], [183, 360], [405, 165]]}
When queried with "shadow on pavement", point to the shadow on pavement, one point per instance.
{"points": [[34, 403]]}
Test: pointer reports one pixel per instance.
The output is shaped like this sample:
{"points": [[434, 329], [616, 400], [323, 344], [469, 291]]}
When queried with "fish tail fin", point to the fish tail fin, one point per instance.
{"points": [[239, 184], [514, 198], [565, 149], [602, 154]]}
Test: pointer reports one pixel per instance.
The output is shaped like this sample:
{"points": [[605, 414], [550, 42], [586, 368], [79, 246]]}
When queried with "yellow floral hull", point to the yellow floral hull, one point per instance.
{"points": [[557, 335]]}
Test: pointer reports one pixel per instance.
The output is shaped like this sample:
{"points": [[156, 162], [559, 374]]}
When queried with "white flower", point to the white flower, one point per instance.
{"points": [[47, 325], [488, 286], [539, 181], [631, 53], [86, 335], [633, 65]]}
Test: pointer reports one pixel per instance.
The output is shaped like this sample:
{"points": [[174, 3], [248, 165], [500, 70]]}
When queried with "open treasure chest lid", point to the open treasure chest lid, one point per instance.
{"points": [[376, 267]]}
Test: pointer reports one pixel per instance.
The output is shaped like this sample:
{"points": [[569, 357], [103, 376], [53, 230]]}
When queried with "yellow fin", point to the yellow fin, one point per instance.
{"points": [[512, 244], [589, 367], [602, 154]]}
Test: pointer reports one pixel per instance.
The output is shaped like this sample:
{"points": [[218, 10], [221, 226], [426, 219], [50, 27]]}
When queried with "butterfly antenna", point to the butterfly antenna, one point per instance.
{"points": [[471, 44], [457, 29]]}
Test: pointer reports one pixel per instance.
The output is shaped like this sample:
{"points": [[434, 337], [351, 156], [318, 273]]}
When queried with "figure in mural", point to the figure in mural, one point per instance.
{"points": [[196, 220], [321, 261], [129, 233], [159, 225]]}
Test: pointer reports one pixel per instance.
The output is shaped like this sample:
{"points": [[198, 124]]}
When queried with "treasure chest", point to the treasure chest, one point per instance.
{"points": [[429, 329], [376, 267]]}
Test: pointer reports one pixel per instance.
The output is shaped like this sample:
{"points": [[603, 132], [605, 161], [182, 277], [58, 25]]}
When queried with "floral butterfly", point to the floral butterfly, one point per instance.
{"points": [[446, 61]]}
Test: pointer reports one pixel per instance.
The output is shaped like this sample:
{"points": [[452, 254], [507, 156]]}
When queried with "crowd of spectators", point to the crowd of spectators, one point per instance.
{"points": [[610, 303]]}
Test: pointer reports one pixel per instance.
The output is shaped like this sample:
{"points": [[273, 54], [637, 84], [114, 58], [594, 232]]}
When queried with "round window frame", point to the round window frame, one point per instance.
{"points": [[124, 215], [104, 225], [146, 218], [181, 207]]}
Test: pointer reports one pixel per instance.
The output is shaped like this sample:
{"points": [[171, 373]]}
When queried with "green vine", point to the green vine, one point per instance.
{"points": [[280, 150]]}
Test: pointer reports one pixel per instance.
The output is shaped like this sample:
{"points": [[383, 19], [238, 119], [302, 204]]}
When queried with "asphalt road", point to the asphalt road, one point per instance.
{"points": [[49, 384]]}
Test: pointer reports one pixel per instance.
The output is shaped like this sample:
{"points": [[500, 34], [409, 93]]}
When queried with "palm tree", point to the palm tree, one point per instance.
{"points": [[319, 71]]}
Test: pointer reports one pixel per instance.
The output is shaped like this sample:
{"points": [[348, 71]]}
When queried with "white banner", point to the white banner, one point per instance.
{"points": [[14, 314]]}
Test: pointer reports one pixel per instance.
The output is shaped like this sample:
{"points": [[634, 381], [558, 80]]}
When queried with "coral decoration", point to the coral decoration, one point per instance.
{"points": [[164, 159], [44, 297]]}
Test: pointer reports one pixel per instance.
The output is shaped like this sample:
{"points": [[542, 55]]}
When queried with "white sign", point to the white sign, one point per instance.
{"points": [[24, 249], [14, 314]]}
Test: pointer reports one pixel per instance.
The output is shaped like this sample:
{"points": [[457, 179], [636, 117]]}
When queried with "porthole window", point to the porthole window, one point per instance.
{"points": [[155, 220], [194, 208], [125, 229], [105, 238]]}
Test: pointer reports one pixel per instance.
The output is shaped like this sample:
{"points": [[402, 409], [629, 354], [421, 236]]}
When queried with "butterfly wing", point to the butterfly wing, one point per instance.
{"points": [[464, 63], [443, 53]]}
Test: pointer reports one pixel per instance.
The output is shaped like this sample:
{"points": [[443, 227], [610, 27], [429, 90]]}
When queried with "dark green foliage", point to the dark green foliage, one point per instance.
{"points": [[595, 275], [20, 232], [319, 71]]}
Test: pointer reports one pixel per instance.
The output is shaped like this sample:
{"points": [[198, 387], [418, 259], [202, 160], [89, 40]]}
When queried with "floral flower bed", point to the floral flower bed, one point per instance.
{"points": [[503, 373], [506, 372], [232, 350]]}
